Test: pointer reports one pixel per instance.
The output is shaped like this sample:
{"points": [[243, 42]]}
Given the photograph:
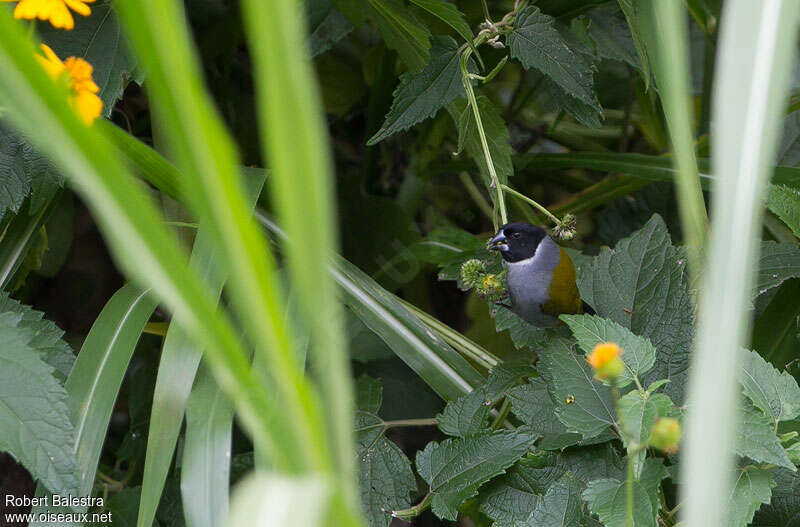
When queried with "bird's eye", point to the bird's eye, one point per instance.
{"points": [[516, 235]]}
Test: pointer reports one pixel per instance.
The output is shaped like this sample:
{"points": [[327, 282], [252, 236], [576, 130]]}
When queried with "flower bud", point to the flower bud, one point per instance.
{"points": [[666, 435], [472, 273], [606, 362]]}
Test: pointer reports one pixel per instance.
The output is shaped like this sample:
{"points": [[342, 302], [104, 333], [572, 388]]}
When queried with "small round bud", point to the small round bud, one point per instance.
{"points": [[472, 273], [605, 361], [567, 228], [666, 435], [492, 287]]}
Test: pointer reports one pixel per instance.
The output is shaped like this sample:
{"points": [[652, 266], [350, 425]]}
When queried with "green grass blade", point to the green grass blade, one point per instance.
{"points": [[132, 226], [195, 136], [18, 236], [96, 376], [775, 332], [756, 58], [176, 373], [206, 464], [295, 141], [671, 60]]}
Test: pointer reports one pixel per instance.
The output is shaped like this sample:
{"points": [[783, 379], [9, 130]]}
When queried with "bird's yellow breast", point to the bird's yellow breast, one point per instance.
{"points": [[564, 296]]}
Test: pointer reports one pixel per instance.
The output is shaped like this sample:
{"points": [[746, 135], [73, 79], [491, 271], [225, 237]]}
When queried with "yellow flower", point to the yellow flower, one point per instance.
{"points": [[56, 11], [78, 73], [605, 360]]}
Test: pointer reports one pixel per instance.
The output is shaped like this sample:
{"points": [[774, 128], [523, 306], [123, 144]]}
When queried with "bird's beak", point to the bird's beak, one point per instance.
{"points": [[499, 243]]}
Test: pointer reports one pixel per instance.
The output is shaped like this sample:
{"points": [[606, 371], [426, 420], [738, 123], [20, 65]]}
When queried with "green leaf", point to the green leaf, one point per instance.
{"points": [[449, 14], [327, 26], [643, 286], [402, 31], [537, 44], [756, 439], [775, 393], [456, 468], [24, 172], [775, 331], [784, 202], [752, 489], [582, 404], [467, 415], [784, 508], [35, 426], [637, 413], [607, 497], [420, 95], [98, 38], [777, 262], [368, 394], [532, 403], [637, 352], [632, 15], [611, 35], [497, 138], [585, 114], [561, 506]]}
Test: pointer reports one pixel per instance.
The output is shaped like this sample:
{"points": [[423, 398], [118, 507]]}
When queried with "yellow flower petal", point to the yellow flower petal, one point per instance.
{"points": [[79, 6], [88, 105], [56, 11]]}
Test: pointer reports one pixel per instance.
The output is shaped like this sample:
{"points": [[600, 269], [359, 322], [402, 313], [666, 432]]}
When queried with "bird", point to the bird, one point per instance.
{"points": [[541, 275]]}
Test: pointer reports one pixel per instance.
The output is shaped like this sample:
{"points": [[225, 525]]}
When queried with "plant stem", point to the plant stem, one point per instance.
{"points": [[430, 421], [475, 193], [629, 493], [416, 510], [501, 416], [532, 202], [486, 10]]}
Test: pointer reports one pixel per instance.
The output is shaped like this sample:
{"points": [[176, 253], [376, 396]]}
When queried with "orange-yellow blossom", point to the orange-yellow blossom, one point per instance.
{"points": [[605, 360], [78, 72], [56, 11]]}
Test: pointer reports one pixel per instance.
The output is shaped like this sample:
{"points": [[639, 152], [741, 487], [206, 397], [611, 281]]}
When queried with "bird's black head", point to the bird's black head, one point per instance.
{"points": [[517, 241]]}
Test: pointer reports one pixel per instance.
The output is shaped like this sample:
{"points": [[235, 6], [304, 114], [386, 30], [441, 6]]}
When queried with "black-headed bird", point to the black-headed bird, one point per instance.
{"points": [[541, 275]]}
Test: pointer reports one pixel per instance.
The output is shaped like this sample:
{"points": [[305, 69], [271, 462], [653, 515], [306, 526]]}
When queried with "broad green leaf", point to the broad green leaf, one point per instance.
{"points": [[756, 439], [98, 38], [35, 425], [455, 468], [775, 330], [449, 14], [643, 286], [775, 393], [24, 172], [777, 262], [585, 114], [327, 26], [537, 44], [561, 506], [523, 335], [467, 415], [206, 463], [637, 352], [420, 95], [531, 402], [632, 15], [784, 507], [636, 414], [384, 472], [584, 405], [784, 202], [612, 36], [402, 31], [752, 489], [95, 379], [281, 501], [497, 138], [607, 497]]}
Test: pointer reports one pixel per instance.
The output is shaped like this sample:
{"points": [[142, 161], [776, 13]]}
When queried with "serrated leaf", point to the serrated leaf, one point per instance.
{"points": [[752, 489], [756, 439], [97, 38], [523, 335], [532, 403], [326, 24], [467, 415], [561, 506], [24, 172], [507, 374], [637, 415], [402, 31], [632, 15], [369, 394], [784, 508], [784, 202], [455, 468], [642, 285], [537, 44], [585, 114], [638, 353], [449, 14], [582, 404], [775, 393], [612, 37], [420, 95], [777, 262], [34, 418], [607, 497], [497, 138]]}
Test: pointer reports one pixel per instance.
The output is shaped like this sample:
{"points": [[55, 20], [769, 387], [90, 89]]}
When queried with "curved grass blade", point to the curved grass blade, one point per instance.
{"points": [[18, 236], [756, 58], [96, 376], [180, 358], [206, 464]]}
